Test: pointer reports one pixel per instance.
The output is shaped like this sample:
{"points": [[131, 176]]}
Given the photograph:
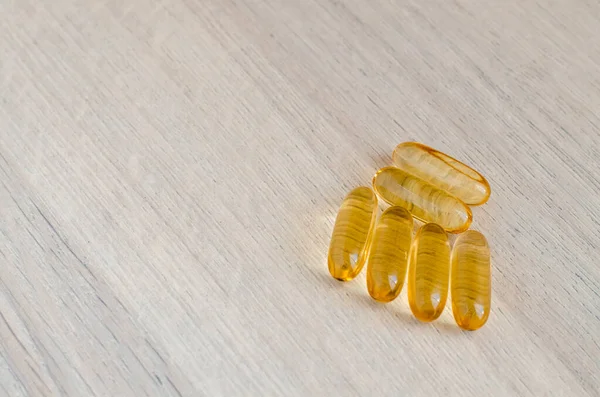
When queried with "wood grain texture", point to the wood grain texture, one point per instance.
{"points": [[170, 172]]}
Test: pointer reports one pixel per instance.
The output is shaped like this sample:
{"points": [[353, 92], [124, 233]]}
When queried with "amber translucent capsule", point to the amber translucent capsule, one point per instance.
{"points": [[351, 234], [388, 256], [429, 272], [470, 284], [442, 171], [424, 201]]}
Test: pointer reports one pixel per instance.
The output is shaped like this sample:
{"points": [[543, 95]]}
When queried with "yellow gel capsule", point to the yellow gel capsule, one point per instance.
{"points": [[424, 201], [471, 284], [442, 171], [351, 234], [429, 272], [388, 256]]}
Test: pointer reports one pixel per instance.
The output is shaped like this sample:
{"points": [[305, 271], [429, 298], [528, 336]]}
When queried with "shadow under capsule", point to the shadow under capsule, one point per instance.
{"points": [[380, 160], [399, 310]]}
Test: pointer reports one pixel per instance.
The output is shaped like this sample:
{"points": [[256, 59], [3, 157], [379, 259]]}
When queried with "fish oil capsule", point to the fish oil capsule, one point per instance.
{"points": [[351, 234], [470, 283], [424, 201], [442, 171], [388, 256], [429, 272]]}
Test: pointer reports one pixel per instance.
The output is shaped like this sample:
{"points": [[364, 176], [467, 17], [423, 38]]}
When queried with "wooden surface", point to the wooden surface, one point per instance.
{"points": [[170, 172]]}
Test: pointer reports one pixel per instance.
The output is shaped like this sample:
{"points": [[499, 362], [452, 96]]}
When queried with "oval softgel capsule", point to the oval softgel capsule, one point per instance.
{"points": [[388, 256], [429, 272], [442, 171], [425, 202], [470, 283], [351, 234]]}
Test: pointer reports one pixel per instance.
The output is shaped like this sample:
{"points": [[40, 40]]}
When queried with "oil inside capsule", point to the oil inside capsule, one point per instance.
{"points": [[425, 202], [351, 234], [388, 256], [442, 171], [429, 272], [470, 283]]}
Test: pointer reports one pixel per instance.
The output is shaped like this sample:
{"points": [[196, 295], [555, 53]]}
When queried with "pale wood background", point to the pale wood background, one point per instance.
{"points": [[171, 172]]}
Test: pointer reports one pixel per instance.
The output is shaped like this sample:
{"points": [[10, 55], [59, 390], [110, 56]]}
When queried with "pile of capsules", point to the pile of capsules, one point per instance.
{"points": [[433, 188]]}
